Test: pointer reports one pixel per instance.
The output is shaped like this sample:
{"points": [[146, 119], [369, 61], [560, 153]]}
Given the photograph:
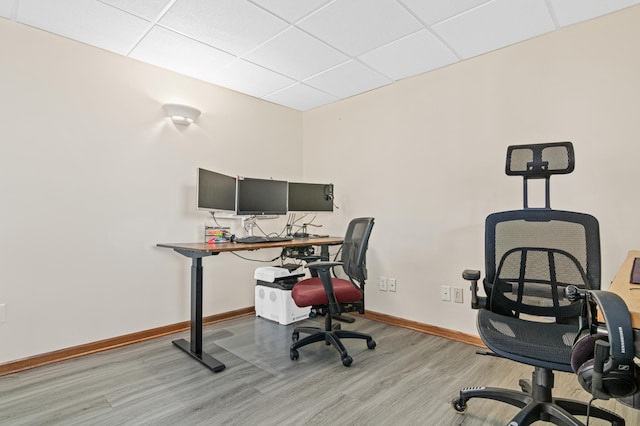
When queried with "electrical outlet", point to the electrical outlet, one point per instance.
{"points": [[382, 285], [391, 284], [3, 312], [445, 293], [457, 295]]}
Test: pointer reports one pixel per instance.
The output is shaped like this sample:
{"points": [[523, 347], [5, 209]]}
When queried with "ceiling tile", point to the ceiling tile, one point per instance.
{"points": [[8, 9], [235, 26], [494, 25], [414, 54], [147, 9], [357, 26], [181, 54], [90, 22], [291, 10], [571, 11], [433, 11], [301, 97], [296, 54], [252, 79], [347, 80]]}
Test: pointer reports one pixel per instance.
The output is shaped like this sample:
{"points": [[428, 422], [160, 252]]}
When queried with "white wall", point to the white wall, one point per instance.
{"points": [[93, 176], [425, 157]]}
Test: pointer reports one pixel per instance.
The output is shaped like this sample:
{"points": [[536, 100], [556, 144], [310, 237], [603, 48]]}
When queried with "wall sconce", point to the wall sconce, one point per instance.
{"points": [[181, 114]]}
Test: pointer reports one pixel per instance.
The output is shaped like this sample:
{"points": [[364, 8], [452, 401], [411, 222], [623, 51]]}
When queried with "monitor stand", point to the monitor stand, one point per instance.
{"points": [[248, 224]]}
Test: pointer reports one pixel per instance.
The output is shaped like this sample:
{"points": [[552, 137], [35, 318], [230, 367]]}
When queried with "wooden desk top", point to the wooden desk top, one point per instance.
{"points": [[630, 293], [222, 247]]}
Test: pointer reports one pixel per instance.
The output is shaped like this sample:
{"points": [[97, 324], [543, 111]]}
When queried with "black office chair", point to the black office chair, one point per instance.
{"points": [[330, 295], [531, 256]]}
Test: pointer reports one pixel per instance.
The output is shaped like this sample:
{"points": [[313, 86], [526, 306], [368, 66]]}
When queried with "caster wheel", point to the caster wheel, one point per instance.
{"points": [[295, 336], [458, 406], [313, 314], [371, 344], [293, 354], [347, 360]]}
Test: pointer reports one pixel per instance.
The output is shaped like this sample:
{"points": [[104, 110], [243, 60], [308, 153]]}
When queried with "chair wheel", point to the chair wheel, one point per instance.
{"points": [[347, 360], [295, 336], [313, 314], [371, 344], [293, 354], [459, 406]]}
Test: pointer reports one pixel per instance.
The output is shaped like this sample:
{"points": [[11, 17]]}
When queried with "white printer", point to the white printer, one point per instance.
{"points": [[273, 294]]}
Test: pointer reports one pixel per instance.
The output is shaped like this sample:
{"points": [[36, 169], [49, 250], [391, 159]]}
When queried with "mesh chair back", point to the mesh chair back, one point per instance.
{"points": [[533, 255], [353, 254]]}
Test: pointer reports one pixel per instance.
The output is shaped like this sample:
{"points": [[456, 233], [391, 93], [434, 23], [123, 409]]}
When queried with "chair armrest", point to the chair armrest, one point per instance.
{"points": [[322, 265], [323, 271], [473, 275]]}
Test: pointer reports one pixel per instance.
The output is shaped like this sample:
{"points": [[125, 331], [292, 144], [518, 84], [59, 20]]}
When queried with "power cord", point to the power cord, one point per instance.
{"points": [[589, 409]]}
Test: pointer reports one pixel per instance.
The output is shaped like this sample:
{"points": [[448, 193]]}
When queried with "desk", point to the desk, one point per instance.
{"points": [[196, 251], [630, 293]]}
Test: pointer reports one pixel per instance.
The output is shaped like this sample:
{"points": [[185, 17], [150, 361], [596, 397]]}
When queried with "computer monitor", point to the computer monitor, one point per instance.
{"points": [[261, 196], [310, 197], [215, 191]]}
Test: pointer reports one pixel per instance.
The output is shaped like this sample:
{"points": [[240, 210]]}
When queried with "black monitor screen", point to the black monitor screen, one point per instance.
{"points": [[216, 191], [261, 196], [310, 197]]}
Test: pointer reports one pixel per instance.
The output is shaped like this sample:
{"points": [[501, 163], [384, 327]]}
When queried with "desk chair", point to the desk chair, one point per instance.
{"points": [[531, 256], [329, 295]]}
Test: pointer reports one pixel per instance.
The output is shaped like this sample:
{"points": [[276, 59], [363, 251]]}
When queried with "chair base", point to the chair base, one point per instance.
{"points": [[536, 403], [331, 336]]}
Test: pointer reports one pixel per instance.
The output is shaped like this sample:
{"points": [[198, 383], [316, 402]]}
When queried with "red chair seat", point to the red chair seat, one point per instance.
{"points": [[310, 292]]}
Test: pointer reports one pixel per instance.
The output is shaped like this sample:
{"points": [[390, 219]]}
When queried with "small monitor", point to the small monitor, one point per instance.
{"points": [[261, 196], [215, 191], [310, 197]]}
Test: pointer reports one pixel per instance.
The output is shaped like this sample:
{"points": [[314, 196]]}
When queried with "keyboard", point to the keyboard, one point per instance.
{"points": [[279, 239], [257, 239]]}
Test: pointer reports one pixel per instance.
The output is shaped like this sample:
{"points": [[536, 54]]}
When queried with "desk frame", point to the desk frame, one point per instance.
{"points": [[197, 251]]}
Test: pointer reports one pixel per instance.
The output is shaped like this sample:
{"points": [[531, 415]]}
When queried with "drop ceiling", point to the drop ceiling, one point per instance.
{"points": [[303, 53]]}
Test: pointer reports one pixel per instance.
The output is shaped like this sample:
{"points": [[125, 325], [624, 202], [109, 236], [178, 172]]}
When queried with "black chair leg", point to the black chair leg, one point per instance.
{"points": [[536, 403]]}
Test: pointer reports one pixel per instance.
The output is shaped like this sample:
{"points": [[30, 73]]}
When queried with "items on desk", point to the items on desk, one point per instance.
{"points": [[635, 271], [215, 234], [253, 239]]}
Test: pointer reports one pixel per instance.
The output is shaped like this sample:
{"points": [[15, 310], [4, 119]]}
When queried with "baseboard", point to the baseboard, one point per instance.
{"points": [[128, 339], [115, 342], [426, 328]]}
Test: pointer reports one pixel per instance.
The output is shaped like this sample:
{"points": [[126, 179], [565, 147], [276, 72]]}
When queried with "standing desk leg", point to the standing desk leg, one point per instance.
{"points": [[324, 253], [194, 349]]}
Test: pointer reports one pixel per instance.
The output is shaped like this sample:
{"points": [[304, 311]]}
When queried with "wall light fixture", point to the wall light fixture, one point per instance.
{"points": [[181, 114]]}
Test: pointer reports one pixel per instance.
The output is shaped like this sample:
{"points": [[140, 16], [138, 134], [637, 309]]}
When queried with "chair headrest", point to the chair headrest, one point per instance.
{"points": [[537, 161]]}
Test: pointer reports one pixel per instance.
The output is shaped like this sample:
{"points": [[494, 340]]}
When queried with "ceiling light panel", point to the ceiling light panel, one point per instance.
{"points": [[495, 25], [231, 25], [357, 26]]}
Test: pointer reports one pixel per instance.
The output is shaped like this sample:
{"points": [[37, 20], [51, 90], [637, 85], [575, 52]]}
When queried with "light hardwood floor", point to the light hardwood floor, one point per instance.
{"points": [[410, 378]]}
